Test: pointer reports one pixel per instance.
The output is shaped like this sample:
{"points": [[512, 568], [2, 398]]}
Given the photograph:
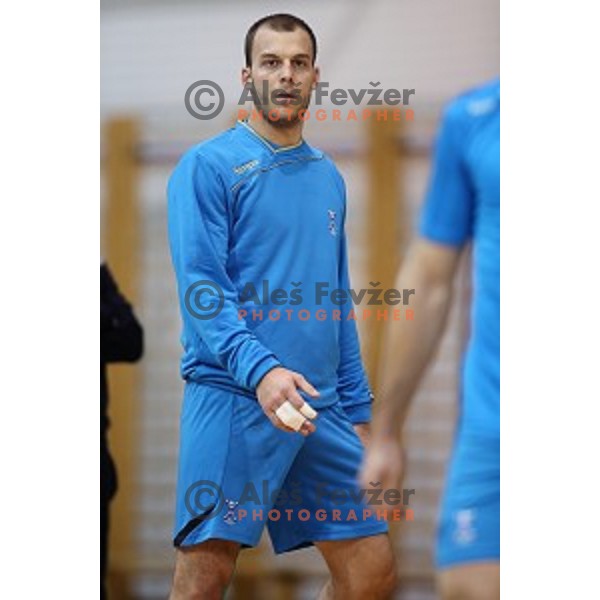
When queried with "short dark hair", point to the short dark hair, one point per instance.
{"points": [[278, 22]]}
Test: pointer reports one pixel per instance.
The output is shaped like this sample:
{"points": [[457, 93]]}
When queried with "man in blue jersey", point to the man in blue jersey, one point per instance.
{"points": [[256, 228], [463, 205]]}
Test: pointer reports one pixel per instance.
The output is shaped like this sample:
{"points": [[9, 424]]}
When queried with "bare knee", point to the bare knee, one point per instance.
{"points": [[369, 573], [203, 572], [470, 582], [373, 584], [384, 579]]}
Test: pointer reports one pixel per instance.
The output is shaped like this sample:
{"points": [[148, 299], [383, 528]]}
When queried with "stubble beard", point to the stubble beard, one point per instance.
{"points": [[285, 121]]}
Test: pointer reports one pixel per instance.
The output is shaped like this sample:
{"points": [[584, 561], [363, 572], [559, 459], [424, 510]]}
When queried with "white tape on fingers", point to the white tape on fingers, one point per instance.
{"points": [[290, 416], [308, 411]]}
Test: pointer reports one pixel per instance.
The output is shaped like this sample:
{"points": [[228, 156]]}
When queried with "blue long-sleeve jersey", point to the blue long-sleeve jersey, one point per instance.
{"points": [[463, 204], [260, 229]]}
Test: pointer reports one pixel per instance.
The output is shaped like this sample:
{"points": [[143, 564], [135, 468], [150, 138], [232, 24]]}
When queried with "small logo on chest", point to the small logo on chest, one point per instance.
{"points": [[332, 226]]}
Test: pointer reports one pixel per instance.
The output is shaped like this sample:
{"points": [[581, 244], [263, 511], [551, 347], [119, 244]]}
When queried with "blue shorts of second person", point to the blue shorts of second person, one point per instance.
{"points": [[238, 473], [469, 523]]}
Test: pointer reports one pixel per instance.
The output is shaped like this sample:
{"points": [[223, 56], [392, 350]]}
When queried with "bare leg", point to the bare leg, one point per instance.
{"points": [[477, 581], [203, 572], [361, 569]]}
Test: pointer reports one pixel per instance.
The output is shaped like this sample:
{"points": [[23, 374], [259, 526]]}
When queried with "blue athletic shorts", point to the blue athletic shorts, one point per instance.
{"points": [[469, 524], [238, 473]]}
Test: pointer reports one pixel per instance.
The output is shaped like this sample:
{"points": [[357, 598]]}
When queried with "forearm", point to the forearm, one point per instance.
{"points": [[410, 345], [353, 387], [225, 334]]}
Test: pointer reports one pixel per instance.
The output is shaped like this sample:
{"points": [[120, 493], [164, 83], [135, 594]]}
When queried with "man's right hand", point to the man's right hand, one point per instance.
{"points": [[280, 385]]}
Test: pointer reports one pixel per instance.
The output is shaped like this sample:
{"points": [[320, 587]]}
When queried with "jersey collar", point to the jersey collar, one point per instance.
{"points": [[272, 147]]}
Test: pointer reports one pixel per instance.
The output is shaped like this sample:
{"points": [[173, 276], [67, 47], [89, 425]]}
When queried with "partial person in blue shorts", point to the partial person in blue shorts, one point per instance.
{"points": [[276, 405], [462, 206]]}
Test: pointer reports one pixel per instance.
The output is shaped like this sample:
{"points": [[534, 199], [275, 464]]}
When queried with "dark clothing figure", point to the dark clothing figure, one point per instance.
{"points": [[121, 340]]}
